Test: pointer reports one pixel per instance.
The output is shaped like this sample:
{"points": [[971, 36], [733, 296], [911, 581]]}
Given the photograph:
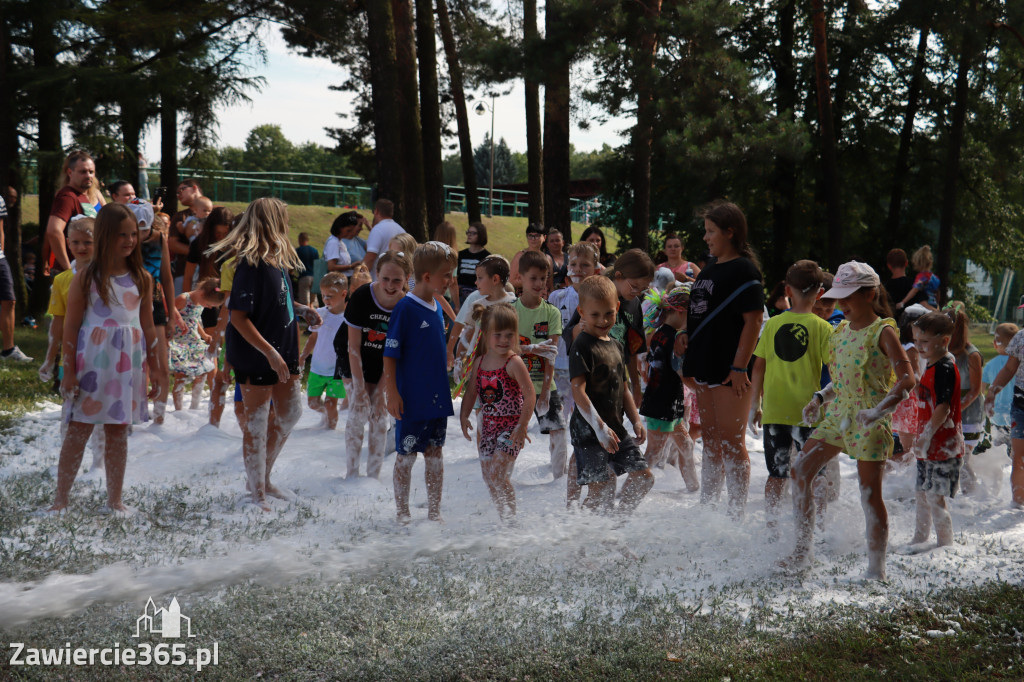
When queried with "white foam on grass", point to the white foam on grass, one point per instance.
{"points": [[694, 552]]}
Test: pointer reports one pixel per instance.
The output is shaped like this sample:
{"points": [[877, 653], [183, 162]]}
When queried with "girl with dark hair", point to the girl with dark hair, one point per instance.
{"points": [[724, 319]]}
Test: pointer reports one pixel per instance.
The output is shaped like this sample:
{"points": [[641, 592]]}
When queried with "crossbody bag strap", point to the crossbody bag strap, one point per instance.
{"points": [[721, 306]]}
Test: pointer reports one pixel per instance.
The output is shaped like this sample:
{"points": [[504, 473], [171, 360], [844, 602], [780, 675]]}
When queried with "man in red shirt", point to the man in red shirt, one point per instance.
{"points": [[70, 200]]}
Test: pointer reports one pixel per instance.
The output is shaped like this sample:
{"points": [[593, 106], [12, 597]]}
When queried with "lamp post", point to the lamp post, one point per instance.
{"points": [[481, 109]]}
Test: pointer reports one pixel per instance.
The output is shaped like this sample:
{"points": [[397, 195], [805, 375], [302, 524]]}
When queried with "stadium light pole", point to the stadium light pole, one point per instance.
{"points": [[481, 109]]}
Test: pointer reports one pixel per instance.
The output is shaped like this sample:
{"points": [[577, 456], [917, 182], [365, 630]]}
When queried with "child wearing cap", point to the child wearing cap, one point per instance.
{"points": [[864, 354]]}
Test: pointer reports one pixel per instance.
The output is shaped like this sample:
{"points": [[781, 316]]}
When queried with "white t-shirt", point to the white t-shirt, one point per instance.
{"points": [[334, 249], [465, 316], [566, 301], [324, 358], [381, 235]]}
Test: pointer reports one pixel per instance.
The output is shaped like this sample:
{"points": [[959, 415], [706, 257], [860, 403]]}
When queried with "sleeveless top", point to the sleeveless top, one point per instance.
{"points": [[152, 256], [975, 412], [500, 395], [861, 373]]}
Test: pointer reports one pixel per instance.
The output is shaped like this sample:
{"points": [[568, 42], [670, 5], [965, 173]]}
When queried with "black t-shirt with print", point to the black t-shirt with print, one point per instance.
{"points": [[711, 353], [363, 312], [602, 364], [663, 398], [264, 293], [628, 330], [467, 267]]}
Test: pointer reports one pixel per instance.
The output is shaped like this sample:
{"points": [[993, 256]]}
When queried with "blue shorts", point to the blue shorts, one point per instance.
{"points": [[1016, 421], [416, 436]]}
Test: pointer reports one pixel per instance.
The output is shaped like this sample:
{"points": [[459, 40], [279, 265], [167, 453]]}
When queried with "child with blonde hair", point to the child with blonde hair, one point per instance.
{"points": [[501, 382], [969, 364], [925, 282], [189, 356], [320, 345], [1001, 421], [262, 341], [582, 263]]}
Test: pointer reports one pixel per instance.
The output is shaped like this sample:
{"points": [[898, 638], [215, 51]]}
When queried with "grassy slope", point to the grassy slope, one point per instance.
{"points": [[506, 235]]}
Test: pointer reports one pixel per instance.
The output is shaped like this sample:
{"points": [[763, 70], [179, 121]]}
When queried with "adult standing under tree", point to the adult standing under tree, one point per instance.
{"points": [[722, 327], [72, 199], [177, 241], [383, 231], [535, 234], [470, 257], [684, 270], [10, 352]]}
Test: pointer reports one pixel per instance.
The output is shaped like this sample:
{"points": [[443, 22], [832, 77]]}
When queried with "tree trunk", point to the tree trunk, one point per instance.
{"points": [[169, 146], [461, 115], [962, 92], [556, 121], [844, 63], [643, 132], [893, 228], [10, 175], [50, 150], [430, 113], [534, 146], [784, 191], [387, 142], [406, 100], [827, 137]]}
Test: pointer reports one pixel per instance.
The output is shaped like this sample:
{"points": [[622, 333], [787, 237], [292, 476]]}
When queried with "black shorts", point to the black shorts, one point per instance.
{"points": [[780, 442], [6, 281], [268, 378], [592, 461], [939, 477], [209, 317], [553, 419], [159, 312]]}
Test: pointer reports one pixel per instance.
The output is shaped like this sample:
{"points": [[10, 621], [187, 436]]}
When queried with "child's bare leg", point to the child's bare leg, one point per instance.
{"points": [[256, 405], [115, 459], [922, 519], [506, 463], [347, 383], [179, 390], [358, 416], [773, 490], [197, 390], [379, 421], [600, 495], [434, 476], [833, 477], [805, 468], [402, 476], [731, 428], [1017, 472], [712, 472], [217, 396], [941, 518], [684, 458], [287, 399], [71, 452], [160, 402], [240, 415], [573, 489], [331, 406], [489, 470], [316, 403], [557, 449], [637, 485], [968, 479], [655, 454], [99, 447], [876, 517]]}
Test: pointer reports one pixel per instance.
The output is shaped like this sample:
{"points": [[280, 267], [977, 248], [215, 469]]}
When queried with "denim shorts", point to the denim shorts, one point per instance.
{"points": [[1016, 421], [416, 436]]}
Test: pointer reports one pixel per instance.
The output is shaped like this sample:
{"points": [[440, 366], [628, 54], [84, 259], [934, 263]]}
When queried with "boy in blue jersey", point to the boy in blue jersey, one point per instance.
{"points": [[416, 377]]}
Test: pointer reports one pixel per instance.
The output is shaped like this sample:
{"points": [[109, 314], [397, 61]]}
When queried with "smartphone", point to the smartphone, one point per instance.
{"points": [[161, 195]]}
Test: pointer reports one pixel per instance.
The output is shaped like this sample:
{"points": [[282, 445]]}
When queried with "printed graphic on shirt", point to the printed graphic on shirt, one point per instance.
{"points": [[491, 391], [791, 342]]}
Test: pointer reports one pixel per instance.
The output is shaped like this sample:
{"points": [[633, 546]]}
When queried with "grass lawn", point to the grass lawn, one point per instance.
{"points": [[505, 235]]}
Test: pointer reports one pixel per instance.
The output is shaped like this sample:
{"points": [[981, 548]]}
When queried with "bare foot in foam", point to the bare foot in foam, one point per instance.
{"points": [[281, 493]]}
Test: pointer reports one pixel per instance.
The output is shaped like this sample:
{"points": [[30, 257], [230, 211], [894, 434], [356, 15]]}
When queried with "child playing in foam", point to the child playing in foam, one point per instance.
{"points": [[492, 275], [582, 263], [108, 332], [500, 380], [1001, 421], [343, 367], [599, 385], [970, 364], [863, 357], [1014, 369], [664, 405], [416, 377], [320, 344], [262, 341], [939, 448], [787, 369], [189, 349], [367, 318]]}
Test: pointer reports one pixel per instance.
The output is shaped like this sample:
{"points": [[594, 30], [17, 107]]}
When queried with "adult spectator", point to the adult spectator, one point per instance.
{"points": [[595, 236], [355, 244], [535, 234], [143, 178], [122, 192], [725, 315], [79, 172], [383, 231], [10, 352], [900, 283], [308, 255], [445, 233], [177, 238], [470, 257], [684, 270], [335, 252], [554, 246]]}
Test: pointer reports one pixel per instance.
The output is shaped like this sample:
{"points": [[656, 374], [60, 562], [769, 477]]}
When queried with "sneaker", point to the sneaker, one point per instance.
{"points": [[15, 356]]}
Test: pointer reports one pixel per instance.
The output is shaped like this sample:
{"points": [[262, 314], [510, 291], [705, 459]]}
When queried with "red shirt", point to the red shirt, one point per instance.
{"points": [[939, 385], [67, 203]]}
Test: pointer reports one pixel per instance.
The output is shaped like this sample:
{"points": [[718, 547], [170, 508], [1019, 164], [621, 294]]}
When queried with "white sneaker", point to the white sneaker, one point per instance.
{"points": [[16, 356]]}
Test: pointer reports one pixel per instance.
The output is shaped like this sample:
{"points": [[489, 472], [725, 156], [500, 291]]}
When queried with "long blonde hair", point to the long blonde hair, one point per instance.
{"points": [[261, 236], [107, 261]]}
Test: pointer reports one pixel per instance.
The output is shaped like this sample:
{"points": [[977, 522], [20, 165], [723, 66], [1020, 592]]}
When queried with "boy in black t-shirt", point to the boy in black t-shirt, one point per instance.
{"points": [[598, 373]]}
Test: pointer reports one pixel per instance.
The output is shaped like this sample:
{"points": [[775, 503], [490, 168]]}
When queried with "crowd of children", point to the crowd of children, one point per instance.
{"points": [[607, 362]]}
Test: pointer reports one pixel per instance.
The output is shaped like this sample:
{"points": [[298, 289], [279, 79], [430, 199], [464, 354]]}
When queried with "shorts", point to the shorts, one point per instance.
{"points": [[416, 436], [864, 445], [268, 378], [6, 281], [780, 440], [972, 434], [592, 461], [1016, 422], [238, 392], [939, 477], [553, 420], [209, 317], [662, 425], [159, 312], [316, 384]]}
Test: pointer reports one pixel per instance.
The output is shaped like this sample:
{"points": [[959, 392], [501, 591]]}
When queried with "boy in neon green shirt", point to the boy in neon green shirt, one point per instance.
{"points": [[787, 370]]}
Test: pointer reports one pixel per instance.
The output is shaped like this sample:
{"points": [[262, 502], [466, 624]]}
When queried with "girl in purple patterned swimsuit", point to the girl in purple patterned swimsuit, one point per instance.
{"points": [[107, 332], [502, 383]]}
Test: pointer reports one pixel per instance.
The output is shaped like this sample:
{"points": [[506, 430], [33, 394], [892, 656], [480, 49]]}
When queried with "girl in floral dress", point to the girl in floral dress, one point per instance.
{"points": [[190, 358]]}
